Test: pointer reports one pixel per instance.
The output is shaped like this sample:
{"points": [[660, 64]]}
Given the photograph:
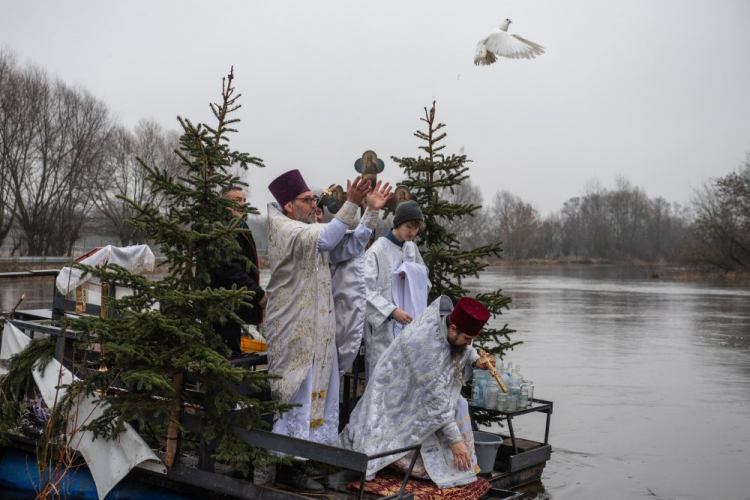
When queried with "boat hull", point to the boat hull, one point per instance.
{"points": [[20, 478]]}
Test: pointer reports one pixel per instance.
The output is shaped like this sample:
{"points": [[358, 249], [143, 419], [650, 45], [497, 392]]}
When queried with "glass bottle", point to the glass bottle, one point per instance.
{"points": [[477, 393], [490, 394], [523, 399], [529, 386]]}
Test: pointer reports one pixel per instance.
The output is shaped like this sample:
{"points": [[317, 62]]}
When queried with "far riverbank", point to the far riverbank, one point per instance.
{"points": [[651, 270]]}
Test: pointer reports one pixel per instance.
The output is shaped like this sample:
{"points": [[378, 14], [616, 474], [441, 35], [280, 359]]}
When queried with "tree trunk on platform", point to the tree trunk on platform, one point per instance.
{"points": [[173, 431]]}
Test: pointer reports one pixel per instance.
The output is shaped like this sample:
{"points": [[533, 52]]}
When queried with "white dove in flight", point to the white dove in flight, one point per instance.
{"points": [[500, 43]]}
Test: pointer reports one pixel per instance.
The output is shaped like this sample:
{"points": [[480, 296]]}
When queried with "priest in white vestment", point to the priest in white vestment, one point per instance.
{"points": [[412, 395], [396, 280], [303, 348]]}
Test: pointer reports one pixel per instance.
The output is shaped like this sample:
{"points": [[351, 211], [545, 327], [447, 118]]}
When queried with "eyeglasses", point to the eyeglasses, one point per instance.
{"points": [[310, 200]]}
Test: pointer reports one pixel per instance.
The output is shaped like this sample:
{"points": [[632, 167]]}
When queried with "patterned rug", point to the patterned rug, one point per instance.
{"points": [[388, 483]]}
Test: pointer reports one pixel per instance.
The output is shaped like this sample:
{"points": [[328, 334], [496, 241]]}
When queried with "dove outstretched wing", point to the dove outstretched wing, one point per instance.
{"points": [[500, 43]]}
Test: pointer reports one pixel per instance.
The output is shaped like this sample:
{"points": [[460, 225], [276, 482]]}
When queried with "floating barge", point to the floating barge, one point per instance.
{"points": [[519, 461]]}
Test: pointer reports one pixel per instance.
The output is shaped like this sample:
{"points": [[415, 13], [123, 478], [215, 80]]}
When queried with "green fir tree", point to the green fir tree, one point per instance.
{"points": [[429, 178], [161, 337]]}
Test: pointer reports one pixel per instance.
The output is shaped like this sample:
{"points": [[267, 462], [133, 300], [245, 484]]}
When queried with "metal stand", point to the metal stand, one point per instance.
{"points": [[537, 405]]}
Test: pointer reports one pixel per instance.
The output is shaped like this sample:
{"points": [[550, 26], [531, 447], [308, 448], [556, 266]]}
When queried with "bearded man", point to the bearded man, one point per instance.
{"points": [[235, 271], [414, 391], [304, 348]]}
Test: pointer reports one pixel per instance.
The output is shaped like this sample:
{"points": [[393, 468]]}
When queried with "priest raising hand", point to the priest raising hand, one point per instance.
{"points": [[379, 195], [311, 291]]}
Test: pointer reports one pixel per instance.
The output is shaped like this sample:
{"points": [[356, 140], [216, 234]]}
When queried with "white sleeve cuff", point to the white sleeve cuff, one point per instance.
{"points": [[370, 218], [348, 213]]}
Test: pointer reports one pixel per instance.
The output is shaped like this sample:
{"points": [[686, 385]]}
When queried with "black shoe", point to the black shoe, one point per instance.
{"points": [[315, 470], [294, 477]]}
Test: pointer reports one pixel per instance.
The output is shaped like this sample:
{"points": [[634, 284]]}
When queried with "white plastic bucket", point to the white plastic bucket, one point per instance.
{"points": [[485, 446]]}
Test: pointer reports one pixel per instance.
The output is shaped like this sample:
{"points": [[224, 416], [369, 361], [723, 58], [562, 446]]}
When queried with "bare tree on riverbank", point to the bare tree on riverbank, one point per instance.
{"points": [[517, 224], [52, 143], [472, 230], [125, 176], [7, 208], [612, 224], [721, 232]]}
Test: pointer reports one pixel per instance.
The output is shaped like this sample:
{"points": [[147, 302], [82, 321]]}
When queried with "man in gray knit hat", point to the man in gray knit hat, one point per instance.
{"points": [[396, 282]]}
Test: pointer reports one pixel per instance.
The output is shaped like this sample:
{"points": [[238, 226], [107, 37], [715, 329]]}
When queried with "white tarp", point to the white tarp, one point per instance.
{"points": [[108, 461], [136, 259]]}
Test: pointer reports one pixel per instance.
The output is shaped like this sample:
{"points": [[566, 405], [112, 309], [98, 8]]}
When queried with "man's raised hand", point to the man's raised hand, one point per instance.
{"points": [[379, 196], [357, 190]]}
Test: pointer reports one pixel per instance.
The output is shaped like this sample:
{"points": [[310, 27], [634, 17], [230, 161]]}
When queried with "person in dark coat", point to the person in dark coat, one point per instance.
{"points": [[236, 272]]}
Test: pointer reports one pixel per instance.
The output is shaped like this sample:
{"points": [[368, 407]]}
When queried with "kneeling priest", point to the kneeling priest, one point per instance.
{"points": [[414, 391]]}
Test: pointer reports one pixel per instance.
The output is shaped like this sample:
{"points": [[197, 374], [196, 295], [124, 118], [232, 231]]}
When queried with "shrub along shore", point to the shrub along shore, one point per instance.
{"points": [[653, 270]]}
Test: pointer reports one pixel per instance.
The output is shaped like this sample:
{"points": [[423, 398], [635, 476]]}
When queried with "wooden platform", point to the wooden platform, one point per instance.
{"points": [[511, 470]]}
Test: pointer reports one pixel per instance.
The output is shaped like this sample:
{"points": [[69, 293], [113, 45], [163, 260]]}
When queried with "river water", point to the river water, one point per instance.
{"points": [[650, 379]]}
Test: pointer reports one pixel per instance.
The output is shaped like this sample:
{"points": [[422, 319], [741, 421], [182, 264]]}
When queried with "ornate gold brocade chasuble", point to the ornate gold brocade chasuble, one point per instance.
{"points": [[300, 322]]}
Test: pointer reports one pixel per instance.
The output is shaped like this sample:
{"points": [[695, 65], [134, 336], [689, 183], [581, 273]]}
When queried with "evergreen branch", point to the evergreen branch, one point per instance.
{"points": [[428, 178]]}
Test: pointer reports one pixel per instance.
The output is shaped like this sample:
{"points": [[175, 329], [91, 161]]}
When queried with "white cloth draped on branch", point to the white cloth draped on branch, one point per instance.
{"points": [[135, 258]]}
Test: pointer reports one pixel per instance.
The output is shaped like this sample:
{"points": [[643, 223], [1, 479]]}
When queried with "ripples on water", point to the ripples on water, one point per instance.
{"points": [[650, 379]]}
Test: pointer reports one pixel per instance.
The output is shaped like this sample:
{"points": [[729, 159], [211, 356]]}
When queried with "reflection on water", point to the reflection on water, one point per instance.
{"points": [[650, 379]]}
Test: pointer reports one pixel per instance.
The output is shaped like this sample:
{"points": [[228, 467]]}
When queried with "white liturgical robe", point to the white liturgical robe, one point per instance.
{"points": [[386, 292], [411, 398]]}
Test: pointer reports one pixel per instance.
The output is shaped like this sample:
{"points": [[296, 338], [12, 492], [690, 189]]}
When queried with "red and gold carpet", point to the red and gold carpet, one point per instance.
{"points": [[388, 483]]}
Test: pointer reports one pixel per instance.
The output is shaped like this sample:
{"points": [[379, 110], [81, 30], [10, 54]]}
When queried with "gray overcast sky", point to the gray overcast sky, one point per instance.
{"points": [[655, 91]]}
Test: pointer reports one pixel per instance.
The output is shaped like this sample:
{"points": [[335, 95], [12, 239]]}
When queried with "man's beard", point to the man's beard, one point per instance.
{"points": [[457, 351], [310, 218]]}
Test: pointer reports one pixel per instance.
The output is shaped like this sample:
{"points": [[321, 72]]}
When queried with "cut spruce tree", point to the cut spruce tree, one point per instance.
{"points": [[162, 337], [429, 178]]}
